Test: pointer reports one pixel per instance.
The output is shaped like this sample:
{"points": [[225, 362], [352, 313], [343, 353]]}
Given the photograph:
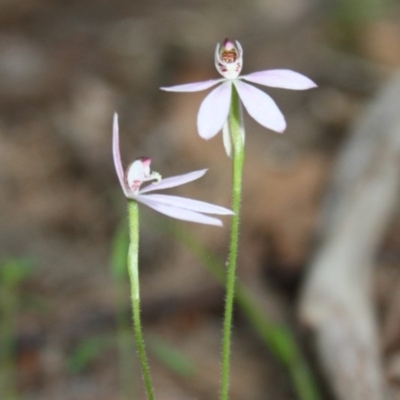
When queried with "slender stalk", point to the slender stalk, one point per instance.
{"points": [[277, 337], [133, 258], [124, 339], [237, 168]]}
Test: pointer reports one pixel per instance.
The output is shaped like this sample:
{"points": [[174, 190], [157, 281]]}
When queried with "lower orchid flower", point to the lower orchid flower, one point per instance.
{"points": [[214, 109], [182, 208], [173, 206]]}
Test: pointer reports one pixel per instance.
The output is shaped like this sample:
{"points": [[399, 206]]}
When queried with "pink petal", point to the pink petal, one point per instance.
{"points": [[117, 155], [174, 181], [192, 87], [261, 107], [281, 78], [214, 111], [189, 204], [178, 213]]}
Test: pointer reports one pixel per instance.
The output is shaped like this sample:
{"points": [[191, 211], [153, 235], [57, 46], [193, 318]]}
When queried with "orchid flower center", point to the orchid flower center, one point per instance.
{"points": [[228, 53], [228, 59], [139, 172]]}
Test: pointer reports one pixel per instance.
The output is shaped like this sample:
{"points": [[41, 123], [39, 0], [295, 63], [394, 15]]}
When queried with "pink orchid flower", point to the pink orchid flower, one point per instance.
{"points": [[214, 109], [173, 206]]}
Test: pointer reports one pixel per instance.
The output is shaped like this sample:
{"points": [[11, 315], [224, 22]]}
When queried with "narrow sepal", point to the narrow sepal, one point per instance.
{"points": [[281, 78], [174, 181], [179, 213], [189, 204], [192, 87], [117, 155]]}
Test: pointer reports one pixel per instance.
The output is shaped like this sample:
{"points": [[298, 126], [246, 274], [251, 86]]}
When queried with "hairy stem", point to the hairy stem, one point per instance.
{"points": [[237, 169], [133, 257]]}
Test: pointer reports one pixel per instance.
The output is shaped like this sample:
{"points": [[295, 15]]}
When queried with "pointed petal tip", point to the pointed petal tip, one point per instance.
{"points": [[205, 136], [174, 88], [308, 84], [281, 130], [213, 222]]}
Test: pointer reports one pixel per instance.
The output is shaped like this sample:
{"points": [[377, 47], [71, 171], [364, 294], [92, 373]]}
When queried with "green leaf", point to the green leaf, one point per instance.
{"points": [[87, 351], [119, 252], [171, 357]]}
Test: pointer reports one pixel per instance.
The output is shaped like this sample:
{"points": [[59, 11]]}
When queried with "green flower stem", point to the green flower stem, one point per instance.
{"points": [[133, 258], [237, 169], [125, 341]]}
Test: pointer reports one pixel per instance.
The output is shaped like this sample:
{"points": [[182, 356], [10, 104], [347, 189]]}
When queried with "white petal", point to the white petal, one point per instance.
{"points": [[261, 107], [179, 213], [192, 87], [226, 138], [214, 111], [189, 204], [117, 155], [174, 181], [281, 78]]}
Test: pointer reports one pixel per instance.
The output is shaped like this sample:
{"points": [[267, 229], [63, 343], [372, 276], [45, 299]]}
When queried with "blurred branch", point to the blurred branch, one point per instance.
{"points": [[336, 301]]}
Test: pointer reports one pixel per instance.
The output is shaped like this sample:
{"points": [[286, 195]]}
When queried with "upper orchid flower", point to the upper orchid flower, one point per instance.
{"points": [[177, 207], [214, 109]]}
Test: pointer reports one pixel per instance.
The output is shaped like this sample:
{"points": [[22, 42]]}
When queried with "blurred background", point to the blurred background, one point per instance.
{"points": [[65, 67]]}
